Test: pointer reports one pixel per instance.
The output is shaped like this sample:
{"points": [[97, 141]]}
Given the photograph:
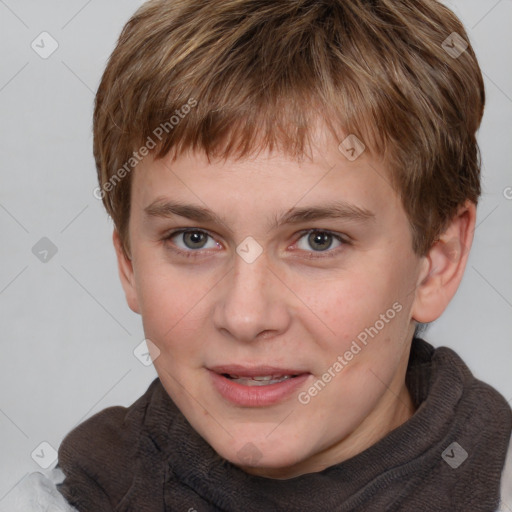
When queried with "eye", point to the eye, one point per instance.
{"points": [[320, 241], [191, 242], [188, 241]]}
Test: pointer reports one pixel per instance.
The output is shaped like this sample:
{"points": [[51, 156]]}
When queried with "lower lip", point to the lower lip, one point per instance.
{"points": [[257, 396]]}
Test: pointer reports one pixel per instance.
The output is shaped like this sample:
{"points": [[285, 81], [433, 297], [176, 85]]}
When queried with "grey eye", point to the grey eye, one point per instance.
{"points": [[193, 240], [318, 241]]}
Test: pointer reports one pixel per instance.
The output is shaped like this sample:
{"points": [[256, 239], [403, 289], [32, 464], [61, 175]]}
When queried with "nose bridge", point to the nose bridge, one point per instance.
{"points": [[251, 301]]}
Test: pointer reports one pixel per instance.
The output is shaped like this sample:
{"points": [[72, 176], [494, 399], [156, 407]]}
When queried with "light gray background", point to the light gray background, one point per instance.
{"points": [[67, 336]]}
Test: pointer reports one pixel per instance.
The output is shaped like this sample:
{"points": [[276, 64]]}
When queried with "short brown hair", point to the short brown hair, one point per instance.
{"points": [[261, 73]]}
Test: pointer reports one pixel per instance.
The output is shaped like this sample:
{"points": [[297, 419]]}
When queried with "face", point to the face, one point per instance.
{"points": [[279, 295]]}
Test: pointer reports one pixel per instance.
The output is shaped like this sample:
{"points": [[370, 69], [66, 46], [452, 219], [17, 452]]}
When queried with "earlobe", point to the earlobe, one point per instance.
{"points": [[443, 266], [126, 274]]}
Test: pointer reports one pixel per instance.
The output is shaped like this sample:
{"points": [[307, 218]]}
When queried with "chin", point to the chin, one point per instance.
{"points": [[259, 456], [274, 468]]}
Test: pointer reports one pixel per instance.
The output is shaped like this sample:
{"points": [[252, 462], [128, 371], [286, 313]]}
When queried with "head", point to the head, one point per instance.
{"points": [[230, 138]]}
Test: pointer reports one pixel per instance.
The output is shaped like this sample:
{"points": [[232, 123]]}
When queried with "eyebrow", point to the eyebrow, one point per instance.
{"points": [[336, 210]]}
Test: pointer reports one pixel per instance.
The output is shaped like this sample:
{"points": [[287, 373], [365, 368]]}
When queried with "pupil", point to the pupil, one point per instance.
{"points": [[322, 239]]}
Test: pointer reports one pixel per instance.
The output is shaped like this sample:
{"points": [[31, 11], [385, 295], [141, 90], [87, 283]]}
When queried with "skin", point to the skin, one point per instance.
{"points": [[294, 306]]}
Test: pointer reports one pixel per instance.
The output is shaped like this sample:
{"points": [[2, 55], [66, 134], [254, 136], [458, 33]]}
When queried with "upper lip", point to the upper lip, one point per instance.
{"points": [[254, 371]]}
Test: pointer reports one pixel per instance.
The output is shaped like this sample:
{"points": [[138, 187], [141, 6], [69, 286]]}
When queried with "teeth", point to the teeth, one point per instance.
{"points": [[260, 380], [258, 377]]}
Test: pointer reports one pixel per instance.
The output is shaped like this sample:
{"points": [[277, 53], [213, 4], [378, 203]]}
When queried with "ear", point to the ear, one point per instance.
{"points": [[444, 265], [125, 268]]}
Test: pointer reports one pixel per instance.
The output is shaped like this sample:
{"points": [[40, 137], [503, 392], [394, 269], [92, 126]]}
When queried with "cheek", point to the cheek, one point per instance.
{"points": [[345, 302], [369, 309], [166, 300], [175, 307]]}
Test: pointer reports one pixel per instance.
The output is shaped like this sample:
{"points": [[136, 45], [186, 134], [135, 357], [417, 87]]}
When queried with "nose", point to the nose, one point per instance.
{"points": [[253, 302]]}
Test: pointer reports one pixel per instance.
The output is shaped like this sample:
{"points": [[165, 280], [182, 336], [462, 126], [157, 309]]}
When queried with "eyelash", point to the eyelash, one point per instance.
{"points": [[197, 253]]}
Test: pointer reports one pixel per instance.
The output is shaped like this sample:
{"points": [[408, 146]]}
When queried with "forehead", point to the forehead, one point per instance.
{"points": [[266, 185]]}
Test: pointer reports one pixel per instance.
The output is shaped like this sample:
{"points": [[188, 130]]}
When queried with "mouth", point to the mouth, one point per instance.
{"points": [[256, 386]]}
